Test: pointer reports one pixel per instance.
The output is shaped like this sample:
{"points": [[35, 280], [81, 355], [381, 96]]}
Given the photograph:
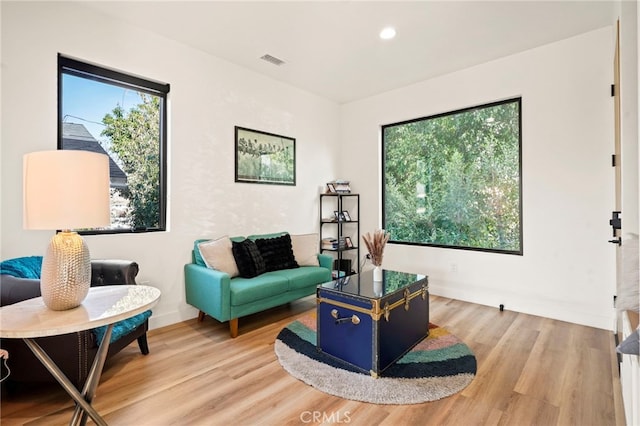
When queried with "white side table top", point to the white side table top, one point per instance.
{"points": [[103, 305]]}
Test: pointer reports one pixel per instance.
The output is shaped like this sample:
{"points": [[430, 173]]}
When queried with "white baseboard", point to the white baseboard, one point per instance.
{"points": [[163, 320], [554, 309]]}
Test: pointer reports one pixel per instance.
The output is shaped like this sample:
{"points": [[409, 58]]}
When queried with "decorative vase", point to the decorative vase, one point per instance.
{"points": [[66, 272], [377, 273], [377, 288]]}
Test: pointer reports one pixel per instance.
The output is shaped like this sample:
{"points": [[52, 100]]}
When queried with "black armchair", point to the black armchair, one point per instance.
{"points": [[73, 352]]}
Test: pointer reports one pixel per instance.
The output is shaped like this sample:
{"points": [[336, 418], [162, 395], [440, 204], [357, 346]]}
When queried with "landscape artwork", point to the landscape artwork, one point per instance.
{"points": [[264, 157]]}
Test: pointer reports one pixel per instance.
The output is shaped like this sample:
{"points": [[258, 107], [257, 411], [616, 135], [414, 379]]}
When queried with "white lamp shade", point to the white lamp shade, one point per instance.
{"points": [[65, 189]]}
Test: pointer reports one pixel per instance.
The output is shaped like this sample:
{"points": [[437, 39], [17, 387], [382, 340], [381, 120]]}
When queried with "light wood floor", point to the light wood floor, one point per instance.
{"points": [[531, 371]]}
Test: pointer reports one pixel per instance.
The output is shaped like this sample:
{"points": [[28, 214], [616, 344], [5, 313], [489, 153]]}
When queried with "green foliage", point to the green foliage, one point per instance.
{"points": [[271, 161], [454, 179], [135, 136]]}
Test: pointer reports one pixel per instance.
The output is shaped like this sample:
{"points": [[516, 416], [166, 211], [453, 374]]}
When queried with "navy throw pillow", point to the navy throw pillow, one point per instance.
{"points": [[248, 258], [277, 252]]}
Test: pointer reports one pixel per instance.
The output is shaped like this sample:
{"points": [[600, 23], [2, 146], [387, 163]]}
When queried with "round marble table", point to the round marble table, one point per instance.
{"points": [[104, 305]]}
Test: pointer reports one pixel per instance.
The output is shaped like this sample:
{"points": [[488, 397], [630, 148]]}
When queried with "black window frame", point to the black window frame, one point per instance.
{"points": [[78, 68], [520, 252]]}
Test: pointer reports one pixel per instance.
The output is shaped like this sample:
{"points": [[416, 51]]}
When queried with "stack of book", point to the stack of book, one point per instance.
{"points": [[342, 186], [330, 243]]}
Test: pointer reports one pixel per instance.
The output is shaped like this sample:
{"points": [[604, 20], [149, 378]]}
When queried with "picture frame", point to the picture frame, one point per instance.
{"points": [[346, 216], [262, 157], [331, 189], [336, 215], [348, 242]]}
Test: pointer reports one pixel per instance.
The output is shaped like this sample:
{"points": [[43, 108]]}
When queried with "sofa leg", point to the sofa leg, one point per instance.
{"points": [[201, 316], [142, 343], [233, 327]]}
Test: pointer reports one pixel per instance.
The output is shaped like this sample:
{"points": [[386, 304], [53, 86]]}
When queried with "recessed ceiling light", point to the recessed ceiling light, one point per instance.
{"points": [[388, 33]]}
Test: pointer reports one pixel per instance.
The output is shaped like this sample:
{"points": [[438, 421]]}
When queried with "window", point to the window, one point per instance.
{"points": [[125, 117], [455, 179]]}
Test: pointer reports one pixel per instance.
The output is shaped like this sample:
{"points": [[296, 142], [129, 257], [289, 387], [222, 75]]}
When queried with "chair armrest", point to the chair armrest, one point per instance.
{"points": [[14, 289], [208, 290], [113, 272], [325, 260]]}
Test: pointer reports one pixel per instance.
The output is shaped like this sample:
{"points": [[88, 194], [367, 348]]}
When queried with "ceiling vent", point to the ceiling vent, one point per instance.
{"points": [[272, 59]]}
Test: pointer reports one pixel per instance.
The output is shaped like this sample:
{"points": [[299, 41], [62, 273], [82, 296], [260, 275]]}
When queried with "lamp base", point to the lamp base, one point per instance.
{"points": [[66, 272]]}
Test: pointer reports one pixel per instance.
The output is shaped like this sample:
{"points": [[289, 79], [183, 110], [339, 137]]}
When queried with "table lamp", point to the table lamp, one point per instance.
{"points": [[64, 190]]}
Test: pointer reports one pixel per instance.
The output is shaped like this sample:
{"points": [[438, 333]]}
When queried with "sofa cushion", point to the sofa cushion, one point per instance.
{"points": [[277, 252], [14, 289], [245, 290], [197, 256], [218, 255], [305, 249], [248, 258], [305, 276]]}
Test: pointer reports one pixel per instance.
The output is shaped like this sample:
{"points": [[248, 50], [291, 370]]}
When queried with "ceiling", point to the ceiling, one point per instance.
{"points": [[332, 48]]}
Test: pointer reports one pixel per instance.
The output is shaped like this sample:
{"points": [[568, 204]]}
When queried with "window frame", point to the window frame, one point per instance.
{"points": [[520, 252], [82, 69]]}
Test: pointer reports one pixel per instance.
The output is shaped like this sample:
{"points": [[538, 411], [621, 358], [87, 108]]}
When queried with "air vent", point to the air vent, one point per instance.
{"points": [[272, 59]]}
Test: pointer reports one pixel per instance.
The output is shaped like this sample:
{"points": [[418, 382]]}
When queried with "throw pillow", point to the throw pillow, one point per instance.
{"points": [[217, 254], [630, 345], [248, 258], [305, 249], [277, 252]]}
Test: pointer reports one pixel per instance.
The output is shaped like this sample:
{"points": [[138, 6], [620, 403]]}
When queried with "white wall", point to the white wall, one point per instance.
{"points": [[567, 271], [208, 98]]}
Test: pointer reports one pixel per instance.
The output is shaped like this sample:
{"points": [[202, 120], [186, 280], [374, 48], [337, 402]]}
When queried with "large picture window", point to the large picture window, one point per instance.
{"points": [[455, 179], [122, 116]]}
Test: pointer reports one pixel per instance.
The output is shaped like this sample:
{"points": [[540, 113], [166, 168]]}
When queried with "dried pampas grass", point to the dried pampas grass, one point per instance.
{"points": [[375, 244]]}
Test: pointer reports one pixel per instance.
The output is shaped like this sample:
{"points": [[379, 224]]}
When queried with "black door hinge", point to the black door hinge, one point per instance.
{"points": [[613, 90], [613, 160]]}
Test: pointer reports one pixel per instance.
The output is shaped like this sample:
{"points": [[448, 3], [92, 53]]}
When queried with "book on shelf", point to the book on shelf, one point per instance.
{"points": [[338, 186], [334, 244], [330, 243]]}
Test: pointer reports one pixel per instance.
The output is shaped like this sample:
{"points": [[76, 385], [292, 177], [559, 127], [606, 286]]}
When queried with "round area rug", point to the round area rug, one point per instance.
{"points": [[439, 366]]}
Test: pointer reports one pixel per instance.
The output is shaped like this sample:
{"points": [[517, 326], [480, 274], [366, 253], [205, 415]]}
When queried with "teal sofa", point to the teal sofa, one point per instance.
{"points": [[217, 294]]}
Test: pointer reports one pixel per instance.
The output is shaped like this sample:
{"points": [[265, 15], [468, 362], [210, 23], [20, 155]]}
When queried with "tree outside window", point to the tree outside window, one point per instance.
{"points": [[454, 179], [123, 116]]}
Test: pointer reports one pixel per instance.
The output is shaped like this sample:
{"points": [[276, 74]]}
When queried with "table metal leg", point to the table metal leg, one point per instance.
{"points": [[93, 379], [83, 401]]}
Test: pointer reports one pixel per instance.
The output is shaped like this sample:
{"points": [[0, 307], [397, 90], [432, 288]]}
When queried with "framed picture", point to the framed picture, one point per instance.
{"points": [[336, 215], [346, 216], [264, 157], [331, 189], [348, 242]]}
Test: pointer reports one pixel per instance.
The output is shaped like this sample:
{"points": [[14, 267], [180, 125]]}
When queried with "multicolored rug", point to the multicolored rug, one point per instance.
{"points": [[439, 366]]}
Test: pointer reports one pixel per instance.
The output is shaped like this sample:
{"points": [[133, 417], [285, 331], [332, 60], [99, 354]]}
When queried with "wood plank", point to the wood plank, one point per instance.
{"points": [[531, 370]]}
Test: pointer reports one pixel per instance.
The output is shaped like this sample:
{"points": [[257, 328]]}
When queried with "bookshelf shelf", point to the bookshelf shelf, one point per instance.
{"points": [[339, 235]]}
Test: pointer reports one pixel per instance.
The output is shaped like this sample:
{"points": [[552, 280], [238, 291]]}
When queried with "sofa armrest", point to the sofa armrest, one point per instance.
{"points": [[14, 289], [325, 260], [113, 272], [208, 290]]}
